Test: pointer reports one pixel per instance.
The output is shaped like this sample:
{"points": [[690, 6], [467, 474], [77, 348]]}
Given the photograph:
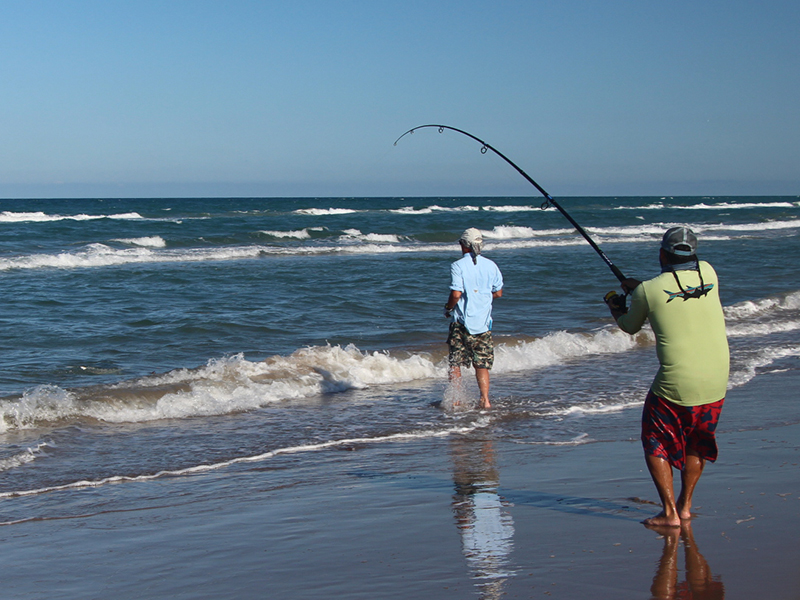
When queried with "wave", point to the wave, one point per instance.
{"points": [[204, 468], [233, 384], [763, 307], [101, 255], [410, 210], [298, 234], [635, 232], [356, 235], [352, 242], [762, 329], [579, 440], [153, 241], [41, 217], [737, 205], [657, 229], [511, 208], [715, 206], [506, 232], [318, 212], [153, 249], [560, 346], [764, 357], [427, 210], [223, 386], [639, 232], [765, 226], [26, 456]]}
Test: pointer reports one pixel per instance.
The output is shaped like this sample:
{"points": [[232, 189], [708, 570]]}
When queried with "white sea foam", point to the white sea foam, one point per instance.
{"points": [[225, 386], [234, 384], [597, 408], [762, 329], [656, 206], [578, 440], [41, 217], [26, 456], [763, 317], [465, 208], [204, 468], [560, 346], [380, 238], [736, 205], [765, 306], [101, 255], [764, 226], [743, 373], [152, 249], [508, 232], [715, 206], [637, 233], [410, 210], [153, 241], [657, 229], [511, 208], [584, 408], [320, 212], [298, 234]]}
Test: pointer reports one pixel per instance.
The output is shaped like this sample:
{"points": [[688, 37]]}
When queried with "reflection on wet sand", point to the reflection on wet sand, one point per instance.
{"points": [[486, 528], [699, 583]]}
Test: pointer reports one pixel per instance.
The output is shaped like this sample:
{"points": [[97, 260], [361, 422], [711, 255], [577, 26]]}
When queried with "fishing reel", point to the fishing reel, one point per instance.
{"points": [[616, 301]]}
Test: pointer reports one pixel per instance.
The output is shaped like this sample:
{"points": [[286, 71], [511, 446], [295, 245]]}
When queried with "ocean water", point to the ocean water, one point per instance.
{"points": [[166, 338]]}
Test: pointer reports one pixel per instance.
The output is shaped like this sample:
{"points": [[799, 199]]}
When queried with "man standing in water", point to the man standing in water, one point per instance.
{"points": [[474, 282], [684, 402]]}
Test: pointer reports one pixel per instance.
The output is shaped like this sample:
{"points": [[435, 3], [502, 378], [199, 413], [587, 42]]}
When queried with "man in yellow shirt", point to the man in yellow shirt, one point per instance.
{"points": [[684, 402]]}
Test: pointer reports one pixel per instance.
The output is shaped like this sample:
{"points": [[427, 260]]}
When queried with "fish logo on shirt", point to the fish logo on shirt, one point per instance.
{"points": [[692, 292]]}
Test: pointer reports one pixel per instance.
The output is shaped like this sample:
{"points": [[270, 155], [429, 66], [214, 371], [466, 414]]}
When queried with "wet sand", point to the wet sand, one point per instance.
{"points": [[458, 517]]}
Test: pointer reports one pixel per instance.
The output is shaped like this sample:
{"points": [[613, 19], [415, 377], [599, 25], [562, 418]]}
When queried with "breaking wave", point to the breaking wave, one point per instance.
{"points": [[234, 384]]}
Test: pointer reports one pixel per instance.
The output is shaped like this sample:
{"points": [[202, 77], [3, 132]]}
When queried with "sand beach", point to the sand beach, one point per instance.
{"points": [[448, 517]]}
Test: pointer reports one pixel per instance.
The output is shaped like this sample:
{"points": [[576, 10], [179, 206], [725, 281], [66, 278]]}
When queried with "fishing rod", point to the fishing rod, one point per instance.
{"points": [[549, 201]]}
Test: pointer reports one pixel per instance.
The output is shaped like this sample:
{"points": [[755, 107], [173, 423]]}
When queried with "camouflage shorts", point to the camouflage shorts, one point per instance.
{"points": [[466, 349]]}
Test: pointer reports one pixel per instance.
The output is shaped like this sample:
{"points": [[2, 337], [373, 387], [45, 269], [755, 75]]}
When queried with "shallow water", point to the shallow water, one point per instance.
{"points": [[151, 339]]}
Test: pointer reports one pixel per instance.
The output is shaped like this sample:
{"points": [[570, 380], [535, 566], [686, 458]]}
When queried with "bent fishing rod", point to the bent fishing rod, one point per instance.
{"points": [[549, 201]]}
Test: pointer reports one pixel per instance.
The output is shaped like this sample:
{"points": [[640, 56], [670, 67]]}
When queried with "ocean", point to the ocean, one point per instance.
{"points": [[167, 339]]}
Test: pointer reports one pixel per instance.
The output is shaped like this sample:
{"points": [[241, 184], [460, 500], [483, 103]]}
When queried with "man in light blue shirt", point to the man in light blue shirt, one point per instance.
{"points": [[474, 282]]}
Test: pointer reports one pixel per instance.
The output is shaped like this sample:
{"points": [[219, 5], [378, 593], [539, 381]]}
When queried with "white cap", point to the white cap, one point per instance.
{"points": [[471, 237]]}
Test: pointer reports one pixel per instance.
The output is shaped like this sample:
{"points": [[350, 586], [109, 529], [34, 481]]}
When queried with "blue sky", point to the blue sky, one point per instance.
{"points": [[305, 98]]}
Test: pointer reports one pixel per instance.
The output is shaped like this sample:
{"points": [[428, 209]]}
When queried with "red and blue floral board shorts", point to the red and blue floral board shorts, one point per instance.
{"points": [[669, 429]]}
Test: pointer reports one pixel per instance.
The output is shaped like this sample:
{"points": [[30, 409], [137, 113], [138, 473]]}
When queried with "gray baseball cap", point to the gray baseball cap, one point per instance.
{"points": [[680, 241]]}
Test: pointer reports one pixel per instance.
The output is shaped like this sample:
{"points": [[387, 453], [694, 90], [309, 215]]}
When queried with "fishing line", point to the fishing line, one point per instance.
{"points": [[549, 201]]}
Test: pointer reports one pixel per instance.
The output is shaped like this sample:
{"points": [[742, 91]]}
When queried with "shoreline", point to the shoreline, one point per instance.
{"points": [[466, 516]]}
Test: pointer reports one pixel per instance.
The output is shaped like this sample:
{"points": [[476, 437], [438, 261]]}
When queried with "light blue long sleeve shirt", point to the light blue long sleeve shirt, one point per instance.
{"points": [[476, 282]]}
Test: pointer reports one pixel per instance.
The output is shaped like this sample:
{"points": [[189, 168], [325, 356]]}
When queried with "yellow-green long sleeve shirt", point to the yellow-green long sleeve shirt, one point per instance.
{"points": [[691, 343]]}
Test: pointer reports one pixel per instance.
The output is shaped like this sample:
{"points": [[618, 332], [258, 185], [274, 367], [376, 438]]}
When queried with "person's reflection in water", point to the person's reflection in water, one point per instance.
{"points": [[700, 584], [486, 528]]}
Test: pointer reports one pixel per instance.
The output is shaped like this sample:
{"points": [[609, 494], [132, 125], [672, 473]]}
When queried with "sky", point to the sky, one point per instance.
{"points": [[305, 98]]}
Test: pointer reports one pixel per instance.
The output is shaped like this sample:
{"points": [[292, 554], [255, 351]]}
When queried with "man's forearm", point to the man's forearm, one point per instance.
{"points": [[452, 300]]}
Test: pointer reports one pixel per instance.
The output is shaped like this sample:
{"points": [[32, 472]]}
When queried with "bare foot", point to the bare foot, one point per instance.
{"points": [[685, 514], [485, 405], [661, 520]]}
